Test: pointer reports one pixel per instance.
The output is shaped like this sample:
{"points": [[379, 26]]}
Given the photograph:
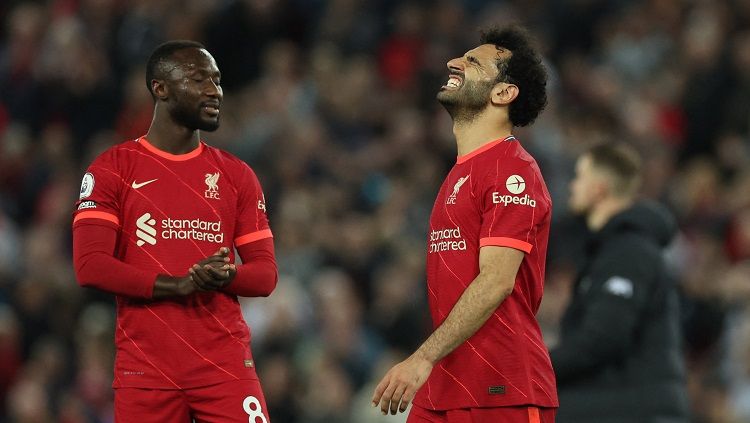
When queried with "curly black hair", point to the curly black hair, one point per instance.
{"points": [[161, 54], [524, 69]]}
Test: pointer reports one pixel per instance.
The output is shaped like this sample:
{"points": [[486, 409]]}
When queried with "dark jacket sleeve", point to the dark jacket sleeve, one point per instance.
{"points": [[608, 312]]}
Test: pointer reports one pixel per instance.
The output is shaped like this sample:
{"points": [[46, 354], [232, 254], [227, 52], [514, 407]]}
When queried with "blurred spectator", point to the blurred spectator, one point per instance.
{"points": [[619, 356]]}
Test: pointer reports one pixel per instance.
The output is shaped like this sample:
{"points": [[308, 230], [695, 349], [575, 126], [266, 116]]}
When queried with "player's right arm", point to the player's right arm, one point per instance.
{"points": [[96, 226], [96, 267]]}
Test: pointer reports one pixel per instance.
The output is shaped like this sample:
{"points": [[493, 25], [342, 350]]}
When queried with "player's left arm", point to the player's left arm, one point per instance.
{"points": [[498, 267], [255, 277], [258, 274]]}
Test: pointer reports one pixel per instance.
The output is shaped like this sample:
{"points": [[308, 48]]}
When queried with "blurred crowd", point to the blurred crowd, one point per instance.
{"points": [[333, 104]]}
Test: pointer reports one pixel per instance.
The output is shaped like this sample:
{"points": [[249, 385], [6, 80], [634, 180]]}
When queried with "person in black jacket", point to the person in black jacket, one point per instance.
{"points": [[619, 358]]}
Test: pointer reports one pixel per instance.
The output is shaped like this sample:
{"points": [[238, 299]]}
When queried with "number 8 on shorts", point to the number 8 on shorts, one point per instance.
{"points": [[251, 405]]}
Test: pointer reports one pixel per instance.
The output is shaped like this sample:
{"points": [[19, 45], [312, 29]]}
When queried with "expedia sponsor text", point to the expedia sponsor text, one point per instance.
{"points": [[526, 200]]}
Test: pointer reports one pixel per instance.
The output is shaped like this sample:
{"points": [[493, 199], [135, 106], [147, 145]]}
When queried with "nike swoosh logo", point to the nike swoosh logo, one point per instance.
{"points": [[136, 185]]}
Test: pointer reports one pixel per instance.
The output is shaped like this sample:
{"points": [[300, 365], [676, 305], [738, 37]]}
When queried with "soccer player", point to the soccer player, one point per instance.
{"points": [[620, 358], [156, 224], [485, 361]]}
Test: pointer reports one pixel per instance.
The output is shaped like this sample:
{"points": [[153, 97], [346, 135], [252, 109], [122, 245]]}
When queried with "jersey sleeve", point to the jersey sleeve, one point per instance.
{"points": [[252, 221], [258, 274], [96, 224], [96, 267], [511, 202], [98, 202]]}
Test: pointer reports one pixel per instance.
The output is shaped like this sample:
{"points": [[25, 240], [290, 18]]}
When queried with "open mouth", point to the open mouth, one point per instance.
{"points": [[454, 82], [211, 109]]}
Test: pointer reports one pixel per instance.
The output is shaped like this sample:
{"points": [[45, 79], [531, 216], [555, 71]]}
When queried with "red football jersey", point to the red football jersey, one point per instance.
{"points": [[171, 211], [492, 196]]}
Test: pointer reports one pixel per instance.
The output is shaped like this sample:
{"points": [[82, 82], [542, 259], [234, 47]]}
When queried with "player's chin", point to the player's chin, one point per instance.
{"points": [[209, 125], [446, 95]]}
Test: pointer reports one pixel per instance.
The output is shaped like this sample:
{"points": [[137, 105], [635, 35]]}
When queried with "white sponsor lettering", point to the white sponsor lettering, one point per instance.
{"points": [[498, 198], [187, 229], [87, 205], [446, 240], [199, 230]]}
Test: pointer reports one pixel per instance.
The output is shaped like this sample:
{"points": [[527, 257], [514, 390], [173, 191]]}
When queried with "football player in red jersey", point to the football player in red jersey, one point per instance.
{"points": [[485, 360], [157, 224]]}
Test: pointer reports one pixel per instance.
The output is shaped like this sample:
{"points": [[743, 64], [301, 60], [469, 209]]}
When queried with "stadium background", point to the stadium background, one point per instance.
{"points": [[332, 102]]}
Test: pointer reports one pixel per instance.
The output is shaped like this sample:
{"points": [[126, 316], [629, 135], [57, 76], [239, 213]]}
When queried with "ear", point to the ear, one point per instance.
{"points": [[503, 94], [602, 187], [160, 89]]}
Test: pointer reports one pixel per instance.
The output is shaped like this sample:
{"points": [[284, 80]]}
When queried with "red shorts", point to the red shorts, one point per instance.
{"points": [[483, 415], [235, 401]]}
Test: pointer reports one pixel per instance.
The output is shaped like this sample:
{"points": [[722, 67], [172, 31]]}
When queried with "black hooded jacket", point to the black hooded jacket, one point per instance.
{"points": [[619, 358]]}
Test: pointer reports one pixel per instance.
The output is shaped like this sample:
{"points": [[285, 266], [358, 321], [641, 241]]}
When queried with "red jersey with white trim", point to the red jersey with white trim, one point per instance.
{"points": [[171, 211], [492, 196]]}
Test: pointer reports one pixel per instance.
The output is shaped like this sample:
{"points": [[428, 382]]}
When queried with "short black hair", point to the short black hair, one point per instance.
{"points": [[161, 54], [524, 69], [622, 162]]}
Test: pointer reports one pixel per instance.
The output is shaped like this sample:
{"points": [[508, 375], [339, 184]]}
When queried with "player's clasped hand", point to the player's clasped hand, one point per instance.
{"points": [[214, 272], [398, 387]]}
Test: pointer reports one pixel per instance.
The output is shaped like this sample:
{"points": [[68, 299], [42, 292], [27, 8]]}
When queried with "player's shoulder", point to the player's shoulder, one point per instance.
{"points": [[228, 161], [224, 156], [221, 154], [510, 154], [509, 162], [516, 151], [116, 154]]}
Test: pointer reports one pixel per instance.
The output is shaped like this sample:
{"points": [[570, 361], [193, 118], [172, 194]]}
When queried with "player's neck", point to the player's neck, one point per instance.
{"points": [[168, 136], [478, 132]]}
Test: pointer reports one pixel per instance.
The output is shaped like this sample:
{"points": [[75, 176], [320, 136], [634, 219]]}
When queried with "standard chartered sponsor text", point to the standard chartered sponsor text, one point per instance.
{"points": [[192, 229], [447, 240]]}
